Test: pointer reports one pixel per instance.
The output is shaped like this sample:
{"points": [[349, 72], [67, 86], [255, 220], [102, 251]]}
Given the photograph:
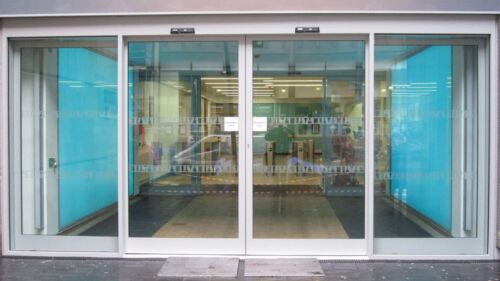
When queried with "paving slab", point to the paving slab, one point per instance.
{"points": [[199, 267], [283, 268]]}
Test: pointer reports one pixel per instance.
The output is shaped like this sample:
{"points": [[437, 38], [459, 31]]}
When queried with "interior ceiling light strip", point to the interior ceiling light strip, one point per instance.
{"points": [[236, 87], [233, 78], [294, 81], [221, 83], [297, 85], [257, 95], [226, 87], [219, 78]]}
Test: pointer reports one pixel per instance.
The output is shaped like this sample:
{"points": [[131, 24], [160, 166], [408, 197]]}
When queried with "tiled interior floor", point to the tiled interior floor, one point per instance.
{"points": [[286, 205], [45, 269], [275, 216], [209, 216], [295, 217]]}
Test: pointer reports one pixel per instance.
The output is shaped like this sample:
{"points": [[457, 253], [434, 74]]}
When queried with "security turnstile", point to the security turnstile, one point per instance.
{"points": [[310, 151], [270, 157], [212, 151], [299, 152]]}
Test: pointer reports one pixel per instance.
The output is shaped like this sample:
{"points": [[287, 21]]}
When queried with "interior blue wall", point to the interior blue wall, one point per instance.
{"points": [[421, 126], [87, 133]]}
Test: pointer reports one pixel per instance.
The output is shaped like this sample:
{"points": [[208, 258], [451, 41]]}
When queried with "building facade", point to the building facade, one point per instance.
{"points": [[337, 130]]}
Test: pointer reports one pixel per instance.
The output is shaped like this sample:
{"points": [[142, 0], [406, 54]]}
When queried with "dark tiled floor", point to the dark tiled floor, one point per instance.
{"points": [[390, 223], [351, 213], [20, 269], [147, 215]]}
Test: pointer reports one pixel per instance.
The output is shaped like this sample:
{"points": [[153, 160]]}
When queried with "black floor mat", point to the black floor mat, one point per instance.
{"points": [[147, 215], [389, 222]]}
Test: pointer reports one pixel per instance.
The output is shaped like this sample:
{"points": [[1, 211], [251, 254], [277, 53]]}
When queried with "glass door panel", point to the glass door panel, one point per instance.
{"points": [[183, 144], [308, 103]]}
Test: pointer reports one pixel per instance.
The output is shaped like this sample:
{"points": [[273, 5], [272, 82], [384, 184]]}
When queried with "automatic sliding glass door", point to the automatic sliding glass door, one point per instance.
{"points": [[250, 145], [184, 146], [308, 147]]}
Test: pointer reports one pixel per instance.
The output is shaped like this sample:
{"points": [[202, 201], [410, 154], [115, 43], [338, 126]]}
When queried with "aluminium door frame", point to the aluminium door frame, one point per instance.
{"points": [[188, 246], [301, 247]]}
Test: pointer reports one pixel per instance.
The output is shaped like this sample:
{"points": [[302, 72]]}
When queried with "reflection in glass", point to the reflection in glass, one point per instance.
{"points": [[308, 139], [68, 138], [425, 139], [183, 136]]}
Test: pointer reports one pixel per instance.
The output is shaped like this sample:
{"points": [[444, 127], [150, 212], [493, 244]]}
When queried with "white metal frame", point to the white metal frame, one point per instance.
{"points": [[122, 148], [370, 140], [254, 25]]}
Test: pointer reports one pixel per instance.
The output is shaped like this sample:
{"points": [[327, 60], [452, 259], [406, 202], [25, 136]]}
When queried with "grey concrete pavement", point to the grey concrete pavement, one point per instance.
{"points": [[42, 269]]}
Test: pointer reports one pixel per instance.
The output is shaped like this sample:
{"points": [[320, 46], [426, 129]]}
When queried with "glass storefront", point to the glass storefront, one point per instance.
{"points": [[255, 145]]}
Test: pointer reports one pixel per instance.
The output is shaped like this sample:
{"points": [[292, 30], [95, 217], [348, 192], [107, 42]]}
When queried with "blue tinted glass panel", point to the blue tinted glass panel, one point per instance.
{"points": [[87, 133], [421, 128]]}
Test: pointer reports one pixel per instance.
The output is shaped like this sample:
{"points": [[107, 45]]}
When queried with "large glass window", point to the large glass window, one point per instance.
{"points": [[65, 159], [427, 131], [183, 139]]}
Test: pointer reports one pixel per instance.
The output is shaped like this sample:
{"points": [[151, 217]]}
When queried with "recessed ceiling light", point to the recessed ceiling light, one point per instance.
{"points": [[283, 90]]}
